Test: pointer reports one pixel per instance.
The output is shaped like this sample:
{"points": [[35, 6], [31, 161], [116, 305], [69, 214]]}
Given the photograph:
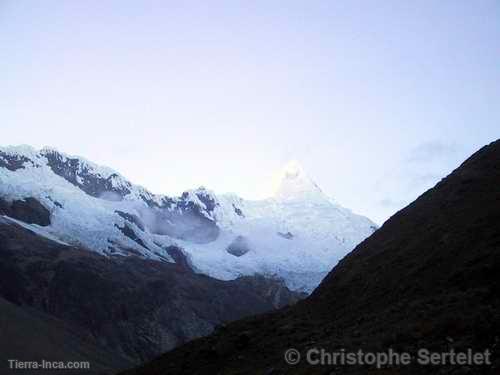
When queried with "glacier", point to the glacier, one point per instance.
{"points": [[298, 234]]}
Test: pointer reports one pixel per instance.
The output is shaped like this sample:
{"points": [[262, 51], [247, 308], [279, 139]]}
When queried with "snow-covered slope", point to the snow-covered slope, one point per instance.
{"points": [[298, 234]]}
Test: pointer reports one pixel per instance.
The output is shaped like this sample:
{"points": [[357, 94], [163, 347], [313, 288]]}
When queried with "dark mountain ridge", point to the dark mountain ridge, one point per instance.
{"points": [[127, 309], [428, 278]]}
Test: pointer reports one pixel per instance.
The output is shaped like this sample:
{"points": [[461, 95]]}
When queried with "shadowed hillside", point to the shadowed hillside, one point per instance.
{"points": [[429, 278], [63, 303]]}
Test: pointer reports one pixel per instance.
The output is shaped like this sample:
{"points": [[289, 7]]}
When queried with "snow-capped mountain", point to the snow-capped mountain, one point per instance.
{"points": [[298, 234]]}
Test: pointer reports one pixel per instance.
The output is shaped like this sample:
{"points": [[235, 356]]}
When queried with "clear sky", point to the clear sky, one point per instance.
{"points": [[377, 99]]}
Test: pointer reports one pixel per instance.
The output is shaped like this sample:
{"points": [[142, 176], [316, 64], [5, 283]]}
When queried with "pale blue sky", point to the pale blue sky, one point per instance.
{"points": [[377, 99]]}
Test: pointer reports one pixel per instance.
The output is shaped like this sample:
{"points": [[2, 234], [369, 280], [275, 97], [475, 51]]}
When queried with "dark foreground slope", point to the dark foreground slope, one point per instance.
{"points": [[63, 303], [30, 335], [429, 278]]}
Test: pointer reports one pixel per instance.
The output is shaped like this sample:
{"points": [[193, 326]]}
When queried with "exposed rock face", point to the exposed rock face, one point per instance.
{"points": [[186, 223], [428, 278], [76, 172], [129, 232], [134, 308], [238, 211], [12, 162], [188, 218], [287, 235], [239, 247], [29, 210], [180, 258], [132, 219], [205, 198]]}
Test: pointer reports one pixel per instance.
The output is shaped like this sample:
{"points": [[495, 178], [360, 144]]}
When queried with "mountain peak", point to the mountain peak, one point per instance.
{"points": [[294, 183], [293, 169]]}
